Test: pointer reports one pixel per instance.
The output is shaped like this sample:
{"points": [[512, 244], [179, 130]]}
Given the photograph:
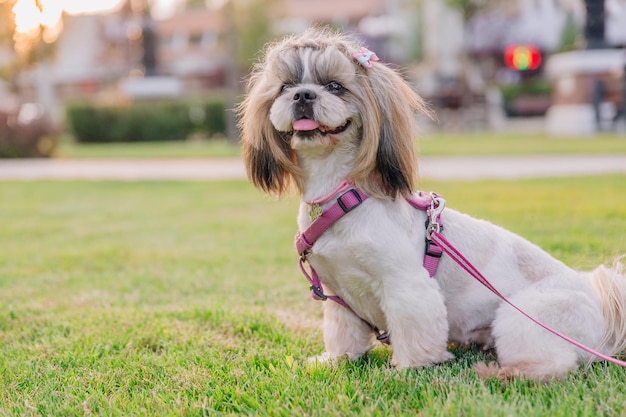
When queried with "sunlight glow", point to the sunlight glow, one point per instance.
{"points": [[28, 17], [82, 6]]}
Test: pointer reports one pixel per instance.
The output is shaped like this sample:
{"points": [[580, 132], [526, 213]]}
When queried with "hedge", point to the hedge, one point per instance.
{"points": [[533, 90], [145, 121]]}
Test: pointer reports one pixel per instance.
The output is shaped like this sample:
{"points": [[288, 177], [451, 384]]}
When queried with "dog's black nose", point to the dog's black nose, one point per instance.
{"points": [[304, 96]]}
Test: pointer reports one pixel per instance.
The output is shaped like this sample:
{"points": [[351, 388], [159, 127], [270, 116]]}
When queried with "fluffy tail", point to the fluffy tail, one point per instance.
{"points": [[610, 285]]}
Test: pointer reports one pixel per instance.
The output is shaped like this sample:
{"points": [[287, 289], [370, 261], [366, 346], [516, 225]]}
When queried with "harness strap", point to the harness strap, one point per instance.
{"points": [[432, 255], [317, 292], [345, 203], [429, 202]]}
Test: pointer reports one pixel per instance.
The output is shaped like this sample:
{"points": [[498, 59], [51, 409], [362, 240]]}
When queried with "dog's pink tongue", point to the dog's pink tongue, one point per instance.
{"points": [[305, 124]]}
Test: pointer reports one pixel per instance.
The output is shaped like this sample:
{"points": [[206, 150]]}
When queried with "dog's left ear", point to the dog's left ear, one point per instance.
{"points": [[390, 128]]}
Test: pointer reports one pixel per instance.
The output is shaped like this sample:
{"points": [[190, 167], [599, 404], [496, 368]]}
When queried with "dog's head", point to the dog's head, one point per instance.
{"points": [[309, 94]]}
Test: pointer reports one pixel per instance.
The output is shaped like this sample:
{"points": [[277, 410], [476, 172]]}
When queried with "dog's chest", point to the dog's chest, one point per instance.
{"points": [[366, 252], [344, 264], [347, 270]]}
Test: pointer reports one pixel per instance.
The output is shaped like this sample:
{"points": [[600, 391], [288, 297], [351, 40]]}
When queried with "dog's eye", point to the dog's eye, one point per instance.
{"points": [[283, 88], [334, 87]]}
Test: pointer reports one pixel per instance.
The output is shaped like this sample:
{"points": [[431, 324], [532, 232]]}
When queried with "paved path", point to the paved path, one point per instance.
{"points": [[461, 167]]}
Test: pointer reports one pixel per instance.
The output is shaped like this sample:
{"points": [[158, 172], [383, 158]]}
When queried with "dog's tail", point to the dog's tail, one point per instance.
{"points": [[610, 285]]}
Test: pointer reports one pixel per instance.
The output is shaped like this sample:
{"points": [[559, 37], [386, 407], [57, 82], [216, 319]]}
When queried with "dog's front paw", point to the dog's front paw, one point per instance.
{"points": [[404, 363], [445, 357], [325, 359], [503, 373], [486, 370]]}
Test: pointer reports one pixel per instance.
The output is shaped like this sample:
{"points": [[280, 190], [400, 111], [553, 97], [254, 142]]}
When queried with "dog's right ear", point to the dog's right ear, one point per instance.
{"points": [[268, 157]]}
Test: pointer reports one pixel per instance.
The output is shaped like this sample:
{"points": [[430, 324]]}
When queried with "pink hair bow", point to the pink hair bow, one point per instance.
{"points": [[365, 57]]}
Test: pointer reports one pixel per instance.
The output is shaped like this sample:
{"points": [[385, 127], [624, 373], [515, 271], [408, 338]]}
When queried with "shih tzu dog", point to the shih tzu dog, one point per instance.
{"points": [[323, 116]]}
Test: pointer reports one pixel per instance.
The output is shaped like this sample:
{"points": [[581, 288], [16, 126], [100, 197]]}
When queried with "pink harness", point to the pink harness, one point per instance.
{"points": [[346, 202], [436, 245]]}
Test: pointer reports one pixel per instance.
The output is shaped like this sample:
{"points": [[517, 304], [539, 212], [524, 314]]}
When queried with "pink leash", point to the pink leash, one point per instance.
{"points": [[451, 251]]}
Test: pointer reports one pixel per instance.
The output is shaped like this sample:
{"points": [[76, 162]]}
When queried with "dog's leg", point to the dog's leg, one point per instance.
{"points": [[526, 350], [417, 322], [345, 335]]}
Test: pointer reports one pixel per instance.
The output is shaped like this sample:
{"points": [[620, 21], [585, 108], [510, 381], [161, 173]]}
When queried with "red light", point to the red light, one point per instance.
{"points": [[522, 57]]}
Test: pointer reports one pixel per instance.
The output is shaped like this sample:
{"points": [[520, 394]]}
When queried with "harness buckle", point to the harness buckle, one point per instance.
{"points": [[345, 205], [383, 337], [432, 227], [432, 249], [318, 293]]}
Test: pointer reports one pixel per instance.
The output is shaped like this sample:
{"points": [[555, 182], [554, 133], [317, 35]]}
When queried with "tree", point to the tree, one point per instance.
{"points": [[140, 11], [252, 20], [7, 31], [7, 22], [33, 46], [247, 28], [470, 7], [191, 4]]}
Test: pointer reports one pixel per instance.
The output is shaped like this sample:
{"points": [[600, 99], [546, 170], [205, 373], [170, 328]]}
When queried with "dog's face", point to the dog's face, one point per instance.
{"points": [[308, 94], [318, 100]]}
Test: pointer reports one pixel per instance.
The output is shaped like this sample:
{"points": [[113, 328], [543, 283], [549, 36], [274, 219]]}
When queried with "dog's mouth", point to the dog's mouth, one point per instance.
{"points": [[308, 127]]}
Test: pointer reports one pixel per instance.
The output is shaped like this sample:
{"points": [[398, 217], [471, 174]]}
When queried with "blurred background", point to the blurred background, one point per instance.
{"points": [[103, 71]]}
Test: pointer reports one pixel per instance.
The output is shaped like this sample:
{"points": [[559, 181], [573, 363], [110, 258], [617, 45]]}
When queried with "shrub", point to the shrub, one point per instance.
{"points": [[145, 121], [87, 123], [214, 117], [26, 132], [530, 98]]}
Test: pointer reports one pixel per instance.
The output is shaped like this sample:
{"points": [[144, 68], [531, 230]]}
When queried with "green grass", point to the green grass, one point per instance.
{"points": [[440, 144], [490, 143], [215, 148], [174, 298]]}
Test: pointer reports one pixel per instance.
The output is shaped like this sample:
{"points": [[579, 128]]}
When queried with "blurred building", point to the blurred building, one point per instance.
{"points": [[94, 52], [191, 47], [452, 55]]}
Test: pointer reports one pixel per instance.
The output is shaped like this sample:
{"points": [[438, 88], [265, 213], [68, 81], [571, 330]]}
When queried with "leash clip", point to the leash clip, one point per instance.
{"points": [[437, 204]]}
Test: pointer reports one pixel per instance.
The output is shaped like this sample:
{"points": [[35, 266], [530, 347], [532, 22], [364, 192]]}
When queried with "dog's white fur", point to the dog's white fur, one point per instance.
{"points": [[372, 257]]}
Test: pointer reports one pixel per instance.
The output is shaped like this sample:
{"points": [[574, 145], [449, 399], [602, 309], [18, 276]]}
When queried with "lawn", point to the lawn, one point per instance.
{"points": [[184, 298], [217, 148], [494, 143], [434, 144]]}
